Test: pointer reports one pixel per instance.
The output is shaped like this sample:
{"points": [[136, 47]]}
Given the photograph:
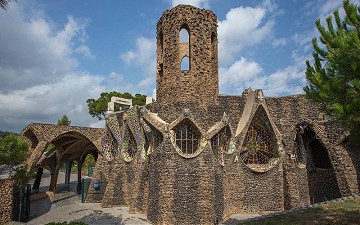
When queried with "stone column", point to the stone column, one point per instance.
{"points": [[78, 188], [68, 166], [37, 181], [53, 181]]}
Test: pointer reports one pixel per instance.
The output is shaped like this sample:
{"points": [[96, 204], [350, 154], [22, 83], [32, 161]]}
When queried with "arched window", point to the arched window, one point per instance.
{"points": [[184, 35], [187, 137], [185, 63], [260, 145], [320, 156], [220, 143], [184, 48]]}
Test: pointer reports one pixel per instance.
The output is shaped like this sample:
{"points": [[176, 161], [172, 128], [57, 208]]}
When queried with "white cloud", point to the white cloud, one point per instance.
{"points": [[47, 102], [37, 64], [239, 72], [196, 3], [85, 51], [279, 42], [243, 27], [144, 55], [288, 81], [29, 52]]}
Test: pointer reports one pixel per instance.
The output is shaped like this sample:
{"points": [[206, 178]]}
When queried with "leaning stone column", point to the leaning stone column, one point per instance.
{"points": [[53, 181], [37, 181], [78, 188], [68, 172]]}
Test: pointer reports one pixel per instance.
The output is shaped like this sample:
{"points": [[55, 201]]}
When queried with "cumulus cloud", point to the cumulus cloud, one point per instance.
{"points": [[143, 55], [47, 102], [279, 42], [244, 73], [38, 82], [29, 52], [242, 70], [197, 3], [242, 27]]}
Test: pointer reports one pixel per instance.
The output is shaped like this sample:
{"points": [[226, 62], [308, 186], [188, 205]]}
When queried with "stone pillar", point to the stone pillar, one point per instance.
{"points": [[68, 166], [37, 181], [78, 188], [53, 181]]}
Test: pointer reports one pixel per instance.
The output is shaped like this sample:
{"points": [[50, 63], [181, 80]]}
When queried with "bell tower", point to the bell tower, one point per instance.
{"points": [[187, 57]]}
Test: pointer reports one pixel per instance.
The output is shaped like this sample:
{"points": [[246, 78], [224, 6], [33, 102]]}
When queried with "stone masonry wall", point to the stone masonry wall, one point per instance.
{"points": [[287, 113], [6, 196], [173, 84]]}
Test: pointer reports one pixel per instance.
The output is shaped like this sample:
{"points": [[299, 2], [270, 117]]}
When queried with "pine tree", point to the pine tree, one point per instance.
{"points": [[334, 79]]}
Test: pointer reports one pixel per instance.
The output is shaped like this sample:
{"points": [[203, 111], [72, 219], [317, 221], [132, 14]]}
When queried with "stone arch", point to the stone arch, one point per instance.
{"points": [[321, 176], [257, 138], [65, 140], [68, 143]]}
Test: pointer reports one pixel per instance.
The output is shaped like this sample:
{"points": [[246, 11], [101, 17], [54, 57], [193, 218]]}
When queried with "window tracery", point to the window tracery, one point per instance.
{"points": [[259, 145], [187, 137]]}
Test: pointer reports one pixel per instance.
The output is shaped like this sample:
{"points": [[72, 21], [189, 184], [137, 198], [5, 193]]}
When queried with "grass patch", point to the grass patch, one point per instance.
{"points": [[346, 212]]}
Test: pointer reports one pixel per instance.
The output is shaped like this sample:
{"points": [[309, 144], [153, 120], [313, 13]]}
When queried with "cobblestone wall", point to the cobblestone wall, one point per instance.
{"points": [[6, 196], [263, 164], [171, 80]]}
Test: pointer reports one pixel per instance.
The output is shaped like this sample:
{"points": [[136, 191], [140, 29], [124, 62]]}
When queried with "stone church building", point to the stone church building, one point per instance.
{"points": [[196, 157]]}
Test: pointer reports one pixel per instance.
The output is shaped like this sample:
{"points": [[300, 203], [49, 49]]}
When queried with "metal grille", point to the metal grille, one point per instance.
{"points": [[220, 143], [259, 145], [187, 138]]}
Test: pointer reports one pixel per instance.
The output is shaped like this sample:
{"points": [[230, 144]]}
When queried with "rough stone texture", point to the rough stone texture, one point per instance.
{"points": [[142, 166], [173, 187], [202, 52], [6, 196], [70, 143]]}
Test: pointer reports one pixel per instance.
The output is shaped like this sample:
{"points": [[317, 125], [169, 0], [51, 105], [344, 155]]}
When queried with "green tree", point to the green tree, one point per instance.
{"points": [[4, 3], [64, 121], [14, 152], [334, 79], [98, 107]]}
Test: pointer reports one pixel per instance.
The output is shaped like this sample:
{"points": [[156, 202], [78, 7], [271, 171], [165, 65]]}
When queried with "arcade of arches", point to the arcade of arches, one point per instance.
{"points": [[53, 146]]}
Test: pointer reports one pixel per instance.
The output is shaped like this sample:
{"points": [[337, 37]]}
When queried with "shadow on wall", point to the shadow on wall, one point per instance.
{"points": [[98, 217], [40, 207]]}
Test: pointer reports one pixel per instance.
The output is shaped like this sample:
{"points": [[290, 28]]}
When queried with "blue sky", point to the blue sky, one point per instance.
{"points": [[54, 55]]}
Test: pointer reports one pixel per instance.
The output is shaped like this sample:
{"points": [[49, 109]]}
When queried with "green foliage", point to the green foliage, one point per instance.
{"points": [[98, 107], [5, 3], [13, 154], [334, 79], [13, 150], [4, 133], [89, 161], [64, 121]]}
